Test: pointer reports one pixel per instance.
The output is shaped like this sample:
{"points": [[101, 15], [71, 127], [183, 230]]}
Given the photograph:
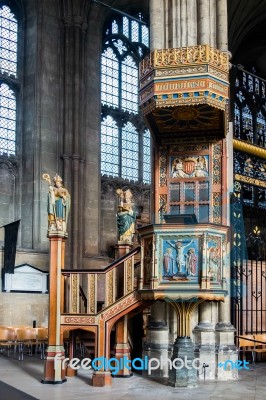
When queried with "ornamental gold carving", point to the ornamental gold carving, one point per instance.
{"points": [[184, 56], [129, 275], [74, 293], [92, 308], [252, 181]]}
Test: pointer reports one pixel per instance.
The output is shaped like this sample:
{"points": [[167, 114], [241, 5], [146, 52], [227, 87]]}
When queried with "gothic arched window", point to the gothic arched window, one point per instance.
{"points": [[8, 80], [125, 140]]}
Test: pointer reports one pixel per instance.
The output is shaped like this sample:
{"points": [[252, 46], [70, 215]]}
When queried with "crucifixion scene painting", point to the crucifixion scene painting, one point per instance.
{"points": [[180, 258]]}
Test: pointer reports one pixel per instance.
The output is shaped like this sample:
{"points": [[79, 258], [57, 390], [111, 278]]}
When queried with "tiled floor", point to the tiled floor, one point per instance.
{"points": [[26, 376]]}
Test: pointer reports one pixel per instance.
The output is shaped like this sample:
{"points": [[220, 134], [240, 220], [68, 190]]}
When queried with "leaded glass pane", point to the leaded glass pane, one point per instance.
{"points": [[7, 120], [189, 189], [109, 147], [204, 191], [237, 121], [129, 85], [189, 209], [125, 27], [146, 157], [110, 81], [134, 31], [145, 35], [203, 213], [8, 41], [174, 210], [261, 129], [114, 27], [175, 192], [120, 46], [247, 123], [130, 152]]}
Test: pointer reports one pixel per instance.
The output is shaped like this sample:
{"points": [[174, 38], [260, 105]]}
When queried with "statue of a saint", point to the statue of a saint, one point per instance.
{"points": [[126, 217], [58, 204]]}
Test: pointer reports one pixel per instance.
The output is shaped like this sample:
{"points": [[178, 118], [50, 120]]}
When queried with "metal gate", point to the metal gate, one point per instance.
{"points": [[248, 267]]}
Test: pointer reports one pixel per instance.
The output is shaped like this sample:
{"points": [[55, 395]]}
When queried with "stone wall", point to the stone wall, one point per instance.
{"points": [[17, 309]]}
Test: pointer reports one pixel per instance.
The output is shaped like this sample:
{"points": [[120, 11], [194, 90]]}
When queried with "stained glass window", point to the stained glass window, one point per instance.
{"points": [[8, 75], [125, 140], [249, 108]]}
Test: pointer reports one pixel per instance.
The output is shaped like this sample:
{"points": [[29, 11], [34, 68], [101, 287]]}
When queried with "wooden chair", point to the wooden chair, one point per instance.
{"points": [[260, 346], [246, 344], [7, 339], [42, 340], [26, 337]]}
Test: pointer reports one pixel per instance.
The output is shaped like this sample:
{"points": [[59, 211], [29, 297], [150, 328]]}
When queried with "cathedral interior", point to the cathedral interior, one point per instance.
{"points": [[133, 183]]}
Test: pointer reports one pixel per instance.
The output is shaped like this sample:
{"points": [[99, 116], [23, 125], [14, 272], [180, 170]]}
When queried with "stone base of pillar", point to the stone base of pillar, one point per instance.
{"points": [[227, 352], [185, 375], [155, 345], [204, 335], [54, 370], [122, 353], [122, 248], [101, 378]]}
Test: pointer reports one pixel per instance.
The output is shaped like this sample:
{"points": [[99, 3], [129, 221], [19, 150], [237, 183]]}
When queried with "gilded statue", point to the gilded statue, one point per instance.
{"points": [[126, 217], [58, 204]]}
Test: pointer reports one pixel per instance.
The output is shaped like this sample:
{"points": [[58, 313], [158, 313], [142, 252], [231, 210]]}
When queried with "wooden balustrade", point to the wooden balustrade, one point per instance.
{"points": [[90, 291]]}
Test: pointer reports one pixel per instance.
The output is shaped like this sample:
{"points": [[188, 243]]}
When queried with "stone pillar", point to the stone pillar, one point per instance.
{"points": [[188, 23], [155, 344], [73, 148], [204, 334], [186, 375], [55, 353], [204, 21], [156, 24], [225, 346], [222, 23]]}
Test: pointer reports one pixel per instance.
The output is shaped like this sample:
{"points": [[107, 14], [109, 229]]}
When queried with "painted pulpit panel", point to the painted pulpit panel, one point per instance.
{"points": [[214, 258], [180, 258]]}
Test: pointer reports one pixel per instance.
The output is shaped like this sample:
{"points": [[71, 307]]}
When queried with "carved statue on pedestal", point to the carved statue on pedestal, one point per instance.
{"points": [[126, 217], [58, 204]]}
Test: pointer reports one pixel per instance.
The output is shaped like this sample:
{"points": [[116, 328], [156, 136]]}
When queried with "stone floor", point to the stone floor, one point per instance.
{"points": [[26, 376]]}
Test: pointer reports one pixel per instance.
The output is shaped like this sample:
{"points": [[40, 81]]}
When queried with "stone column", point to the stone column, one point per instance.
{"points": [[204, 22], [222, 25], [204, 334], [155, 344], [156, 24], [182, 23], [73, 148], [225, 346], [192, 27]]}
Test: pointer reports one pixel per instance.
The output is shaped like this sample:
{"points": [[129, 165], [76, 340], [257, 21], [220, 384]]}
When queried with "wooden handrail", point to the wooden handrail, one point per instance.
{"points": [[106, 269]]}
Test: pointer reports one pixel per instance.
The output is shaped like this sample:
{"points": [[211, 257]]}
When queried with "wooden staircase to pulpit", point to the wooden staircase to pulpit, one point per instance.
{"points": [[94, 300]]}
